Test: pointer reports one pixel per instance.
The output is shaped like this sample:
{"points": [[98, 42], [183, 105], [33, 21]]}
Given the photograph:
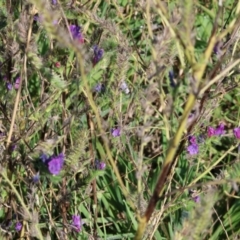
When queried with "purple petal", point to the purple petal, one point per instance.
{"points": [[196, 199], [219, 130], [76, 33], [17, 82], [77, 223], [192, 149], [210, 131], [18, 226], [236, 132], [192, 139], [116, 132], [55, 164]]}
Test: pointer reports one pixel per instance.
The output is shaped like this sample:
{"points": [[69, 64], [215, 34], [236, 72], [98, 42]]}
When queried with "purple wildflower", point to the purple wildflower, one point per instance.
{"points": [[236, 132], [210, 131], [18, 226], [98, 54], [192, 149], [55, 164], [76, 33], [54, 2], [17, 83], [192, 140], [100, 165], [116, 132], [219, 130], [99, 88], [36, 178], [196, 199], [9, 86], [77, 223]]}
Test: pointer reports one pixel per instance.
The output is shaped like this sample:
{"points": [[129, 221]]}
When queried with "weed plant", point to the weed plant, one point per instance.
{"points": [[119, 119]]}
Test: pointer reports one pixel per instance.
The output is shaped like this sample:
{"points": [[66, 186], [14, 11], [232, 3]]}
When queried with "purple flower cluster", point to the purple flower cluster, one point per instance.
{"points": [[193, 146], [97, 54], [216, 131], [76, 223], [54, 163], [76, 33], [9, 85], [211, 131]]}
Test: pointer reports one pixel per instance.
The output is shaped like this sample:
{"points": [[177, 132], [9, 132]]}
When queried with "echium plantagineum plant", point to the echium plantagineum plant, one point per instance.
{"points": [[123, 110]]}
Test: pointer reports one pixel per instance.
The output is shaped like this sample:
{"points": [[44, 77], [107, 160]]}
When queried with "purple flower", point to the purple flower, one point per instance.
{"points": [[9, 86], [76, 33], [192, 140], [219, 130], [100, 165], [99, 88], [54, 2], [236, 132], [210, 131], [77, 223], [36, 178], [196, 199], [17, 82], [55, 164], [192, 149], [116, 132], [216, 131], [97, 55], [18, 226]]}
